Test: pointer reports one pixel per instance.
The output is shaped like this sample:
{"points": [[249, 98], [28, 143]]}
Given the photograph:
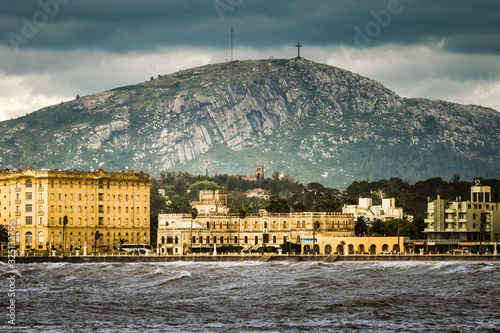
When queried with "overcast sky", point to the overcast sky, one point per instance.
{"points": [[52, 50]]}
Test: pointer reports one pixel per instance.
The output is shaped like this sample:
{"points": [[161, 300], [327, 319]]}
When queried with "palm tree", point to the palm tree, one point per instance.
{"points": [[342, 243], [242, 215], [379, 227], [121, 241], [315, 229], [194, 214], [65, 222], [97, 236], [361, 227]]}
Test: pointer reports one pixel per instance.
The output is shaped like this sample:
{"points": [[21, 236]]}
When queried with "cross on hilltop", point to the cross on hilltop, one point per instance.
{"points": [[298, 46]]}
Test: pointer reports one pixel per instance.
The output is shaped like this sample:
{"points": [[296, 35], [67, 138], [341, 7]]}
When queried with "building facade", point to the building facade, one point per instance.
{"points": [[114, 203], [456, 224], [215, 228], [386, 211]]}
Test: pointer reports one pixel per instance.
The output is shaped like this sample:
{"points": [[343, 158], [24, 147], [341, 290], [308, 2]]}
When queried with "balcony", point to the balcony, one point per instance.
{"points": [[18, 213], [40, 201], [449, 220], [450, 211], [17, 201], [40, 213], [18, 189]]}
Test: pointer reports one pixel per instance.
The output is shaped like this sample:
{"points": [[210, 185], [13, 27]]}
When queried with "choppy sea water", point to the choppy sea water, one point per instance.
{"points": [[256, 297]]}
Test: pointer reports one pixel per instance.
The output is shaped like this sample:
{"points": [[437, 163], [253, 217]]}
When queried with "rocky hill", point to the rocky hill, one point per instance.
{"points": [[312, 121]]}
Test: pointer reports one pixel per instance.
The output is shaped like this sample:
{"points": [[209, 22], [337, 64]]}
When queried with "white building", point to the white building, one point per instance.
{"points": [[365, 208]]}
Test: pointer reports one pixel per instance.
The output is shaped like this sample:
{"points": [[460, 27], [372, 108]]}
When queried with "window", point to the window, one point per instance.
{"points": [[18, 237], [29, 219], [29, 208], [29, 196], [60, 196], [284, 224], [40, 196], [208, 238], [29, 237], [29, 183], [100, 184], [41, 221], [40, 184], [100, 197], [40, 237]]}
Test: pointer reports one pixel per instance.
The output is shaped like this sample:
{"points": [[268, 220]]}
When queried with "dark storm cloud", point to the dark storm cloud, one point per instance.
{"points": [[131, 25]]}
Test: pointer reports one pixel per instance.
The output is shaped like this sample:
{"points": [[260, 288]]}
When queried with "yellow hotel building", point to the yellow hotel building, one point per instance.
{"points": [[114, 203]]}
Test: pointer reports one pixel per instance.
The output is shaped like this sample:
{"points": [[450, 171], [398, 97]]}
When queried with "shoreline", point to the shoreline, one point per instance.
{"points": [[257, 258]]}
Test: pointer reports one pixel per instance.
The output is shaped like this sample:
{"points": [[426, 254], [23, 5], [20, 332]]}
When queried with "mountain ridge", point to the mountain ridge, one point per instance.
{"points": [[313, 121]]}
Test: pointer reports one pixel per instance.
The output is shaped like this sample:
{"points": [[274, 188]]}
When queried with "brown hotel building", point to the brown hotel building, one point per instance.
{"points": [[114, 203]]}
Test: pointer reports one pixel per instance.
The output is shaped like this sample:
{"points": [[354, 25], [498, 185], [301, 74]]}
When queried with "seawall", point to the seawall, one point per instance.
{"points": [[261, 258]]}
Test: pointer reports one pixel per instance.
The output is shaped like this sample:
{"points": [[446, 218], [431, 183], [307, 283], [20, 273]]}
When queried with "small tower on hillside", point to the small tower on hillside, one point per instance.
{"points": [[260, 172]]}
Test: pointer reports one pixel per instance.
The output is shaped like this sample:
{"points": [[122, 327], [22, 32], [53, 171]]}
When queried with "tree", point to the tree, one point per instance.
{"points": [[65, 222], [194, 215], [329, 206], [342, 244], [276, 175], [97, 236], [360, 227], [242, 215], [121, 241], [279, 205], [195, 188], [378, 228], [316, 227], [299, 207]]}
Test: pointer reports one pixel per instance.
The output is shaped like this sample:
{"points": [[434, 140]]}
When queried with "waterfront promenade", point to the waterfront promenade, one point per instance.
{"points": [[252, 257]]}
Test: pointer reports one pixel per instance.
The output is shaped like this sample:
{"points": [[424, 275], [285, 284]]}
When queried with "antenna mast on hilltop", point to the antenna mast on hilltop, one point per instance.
{"points": [[231, 44]]}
